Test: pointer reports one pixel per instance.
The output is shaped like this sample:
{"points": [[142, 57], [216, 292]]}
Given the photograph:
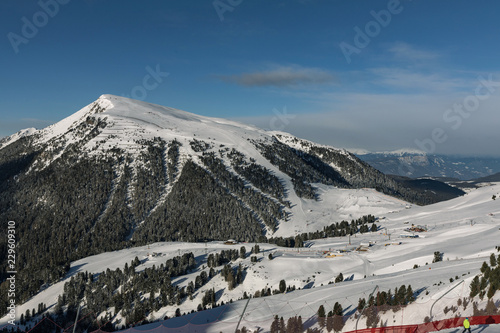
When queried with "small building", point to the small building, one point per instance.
{"points": [[333, 254], [408, 236], [416, 228]]}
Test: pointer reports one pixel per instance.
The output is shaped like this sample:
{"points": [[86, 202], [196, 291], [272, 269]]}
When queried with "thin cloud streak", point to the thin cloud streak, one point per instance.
{"points": [[285, 76], [409, 53], [418, 81]]}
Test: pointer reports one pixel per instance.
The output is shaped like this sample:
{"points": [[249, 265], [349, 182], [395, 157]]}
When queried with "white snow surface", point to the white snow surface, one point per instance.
{"points": [[397, 152], [144, 120], [465, 230], [16, 136]]}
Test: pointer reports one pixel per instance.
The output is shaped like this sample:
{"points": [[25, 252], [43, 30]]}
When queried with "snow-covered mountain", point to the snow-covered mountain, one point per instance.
{"points": [[121, 173], [414, 163], [22, 133]]}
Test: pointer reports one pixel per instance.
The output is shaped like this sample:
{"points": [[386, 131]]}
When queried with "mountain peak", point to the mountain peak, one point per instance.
{"points": [[113, 123], [134, 108], [16, 136]]}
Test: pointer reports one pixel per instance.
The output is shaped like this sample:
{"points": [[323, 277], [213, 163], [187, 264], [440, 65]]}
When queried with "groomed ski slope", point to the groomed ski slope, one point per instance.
{"points": [[465, 230]]}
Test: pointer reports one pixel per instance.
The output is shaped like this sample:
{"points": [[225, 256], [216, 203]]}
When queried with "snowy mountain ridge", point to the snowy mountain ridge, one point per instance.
{"points": [[16, 136], [397, 152], [124, 122], [414, 164]]}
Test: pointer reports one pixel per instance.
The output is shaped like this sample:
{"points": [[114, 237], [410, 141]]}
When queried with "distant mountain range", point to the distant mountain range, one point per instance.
{"points": [[415, 164]]}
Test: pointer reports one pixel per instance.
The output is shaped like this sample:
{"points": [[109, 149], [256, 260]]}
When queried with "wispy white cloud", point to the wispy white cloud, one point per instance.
{"points": [[397, 78], [409, 53], [409, 67], [282, 76]]}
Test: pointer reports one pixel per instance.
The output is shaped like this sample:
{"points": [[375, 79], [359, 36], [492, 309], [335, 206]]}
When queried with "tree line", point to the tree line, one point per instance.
{"points": [[338, 229]]}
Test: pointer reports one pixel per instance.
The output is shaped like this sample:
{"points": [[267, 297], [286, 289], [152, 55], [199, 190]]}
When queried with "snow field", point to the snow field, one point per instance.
{"points": [[387, 264]]}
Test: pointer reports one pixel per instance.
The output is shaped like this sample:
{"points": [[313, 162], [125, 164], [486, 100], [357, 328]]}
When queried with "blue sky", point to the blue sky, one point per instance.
{"points": [[420, 75]]}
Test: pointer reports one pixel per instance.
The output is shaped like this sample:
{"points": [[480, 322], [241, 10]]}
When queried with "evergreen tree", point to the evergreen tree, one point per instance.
{"points": [[493, 260], [337, 309], [321, 316], [282, 326], [282, 286], [409, 298], [438, 256], [275, 326], [474, 287], [390, 300], [239, 274], [298, 241], [401, 295], [484, 267], [361, 304], [329, 321], [491, 291], [291, 325], [231, 282], [338, 320], [483, 283], [300, 325], [211, 272], [491, 308]]}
